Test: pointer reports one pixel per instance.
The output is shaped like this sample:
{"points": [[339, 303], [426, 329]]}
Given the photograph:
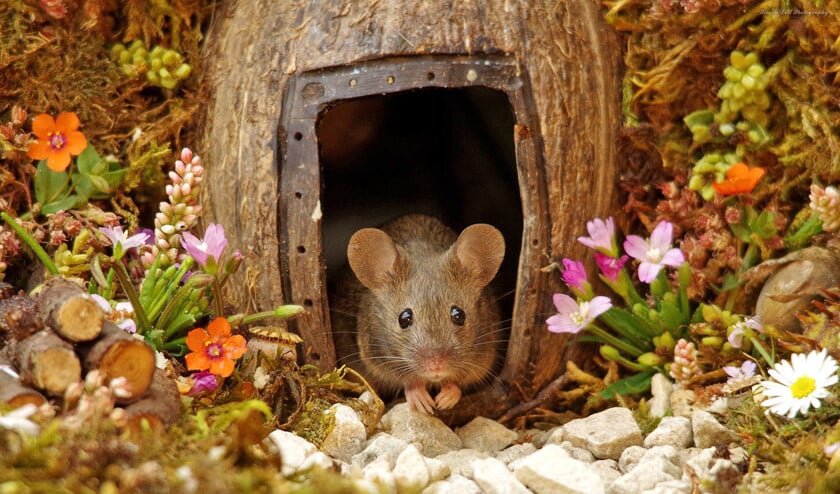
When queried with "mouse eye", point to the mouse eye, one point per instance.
{"points": [[406, 318], [457, 315]]}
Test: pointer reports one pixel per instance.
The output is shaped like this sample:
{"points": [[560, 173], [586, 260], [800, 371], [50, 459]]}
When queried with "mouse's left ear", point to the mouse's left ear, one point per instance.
{"points": [[479, 251]]}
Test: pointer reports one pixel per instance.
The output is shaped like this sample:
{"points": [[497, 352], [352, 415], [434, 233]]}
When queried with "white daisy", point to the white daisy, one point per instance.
{"points": [[799, 384]]}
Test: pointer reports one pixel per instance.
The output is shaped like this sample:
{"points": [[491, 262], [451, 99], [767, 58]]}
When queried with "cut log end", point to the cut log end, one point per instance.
{"points": [[159, 408], [14, 394], [118, 354], [47, 362], [80, 319]]}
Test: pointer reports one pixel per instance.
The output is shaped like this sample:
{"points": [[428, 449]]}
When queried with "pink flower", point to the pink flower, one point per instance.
{"points": [[610, 266], [572, 316], [601, 236], [746, 371], [655, 252], [204, 382], [210, 247], [121, 241], [574, 274]]}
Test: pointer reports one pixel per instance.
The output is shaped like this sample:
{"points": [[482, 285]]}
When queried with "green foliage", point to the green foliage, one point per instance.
{"points": [[94, 177], [161, 66]]}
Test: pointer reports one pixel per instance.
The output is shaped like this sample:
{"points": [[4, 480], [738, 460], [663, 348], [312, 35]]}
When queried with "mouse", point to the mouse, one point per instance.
{"points": [[421, 315]]}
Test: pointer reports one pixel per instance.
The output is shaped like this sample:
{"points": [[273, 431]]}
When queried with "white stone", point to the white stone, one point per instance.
{"points": [[379, 472], [673, 431], [607, 470], [293, 449], [438, 470], [556, 435], [379, 445], [606, 434], [348, 435], [483, 434], [460, 461], [630, 457], [456, 484], [683, 402], [550, 470], [494, 477], [515, 452], [708, 432], [320, 460], [671, 487], [666, 452], [660, 390], [432, 436], [646, 475], [410, 469], [579, 454]]}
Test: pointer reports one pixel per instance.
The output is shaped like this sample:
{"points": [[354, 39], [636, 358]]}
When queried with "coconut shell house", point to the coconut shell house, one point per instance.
{"points": [[325, 117]]}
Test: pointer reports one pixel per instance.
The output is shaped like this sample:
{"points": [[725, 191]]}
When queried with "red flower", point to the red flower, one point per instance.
{"points": [[740, 179], [214, 349], [57, 139]]}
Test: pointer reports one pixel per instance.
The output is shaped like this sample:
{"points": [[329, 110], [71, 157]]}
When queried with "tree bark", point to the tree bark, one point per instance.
{"points": [[47, 362], [69, 311], [12, 392], [160, 406]]}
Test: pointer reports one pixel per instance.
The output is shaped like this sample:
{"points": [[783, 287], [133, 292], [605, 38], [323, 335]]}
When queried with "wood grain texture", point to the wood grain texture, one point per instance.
{"points": [[568, 55]]}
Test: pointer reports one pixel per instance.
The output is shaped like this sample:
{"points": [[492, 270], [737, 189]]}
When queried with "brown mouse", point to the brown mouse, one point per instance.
{"points": [[424, 316]]}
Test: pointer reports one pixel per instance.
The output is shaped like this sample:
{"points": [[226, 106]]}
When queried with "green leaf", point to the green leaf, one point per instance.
{"points": [[632, 385], [87, 161], [101, 188], [62, 205], [763, 225], [50, 186]]}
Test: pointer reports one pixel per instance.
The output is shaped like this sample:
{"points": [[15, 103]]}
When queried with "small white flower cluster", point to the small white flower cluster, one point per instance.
{"points": [[826, 203], [92, 399], [181, 212]]}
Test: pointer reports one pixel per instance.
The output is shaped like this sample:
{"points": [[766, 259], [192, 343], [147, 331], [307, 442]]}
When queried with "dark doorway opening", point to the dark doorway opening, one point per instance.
{"points": [[447, 152]]}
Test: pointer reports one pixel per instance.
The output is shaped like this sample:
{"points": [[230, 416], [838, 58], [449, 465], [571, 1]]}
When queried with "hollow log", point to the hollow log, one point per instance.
{"points": [[47, 362], [12, 392], [567, 63], [118, 354], [69, 311], [160, 406]]}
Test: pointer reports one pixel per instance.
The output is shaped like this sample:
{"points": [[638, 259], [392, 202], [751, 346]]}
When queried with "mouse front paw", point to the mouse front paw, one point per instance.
{"points": [[449, 395], [419, 399]]}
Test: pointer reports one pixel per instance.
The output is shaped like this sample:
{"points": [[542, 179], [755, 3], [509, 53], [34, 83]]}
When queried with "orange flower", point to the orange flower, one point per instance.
{"points": [[214, 349], [740, 179], [57, 139]]}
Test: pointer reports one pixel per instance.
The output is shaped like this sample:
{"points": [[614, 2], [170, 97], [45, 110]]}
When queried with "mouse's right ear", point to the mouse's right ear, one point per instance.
{"points": [[374, 258]]}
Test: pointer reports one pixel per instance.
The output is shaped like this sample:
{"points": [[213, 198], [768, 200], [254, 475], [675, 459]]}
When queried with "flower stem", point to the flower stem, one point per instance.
{"points": [[616, 342], [282, 312], [218, 301], [131, 293], [28, 240]]}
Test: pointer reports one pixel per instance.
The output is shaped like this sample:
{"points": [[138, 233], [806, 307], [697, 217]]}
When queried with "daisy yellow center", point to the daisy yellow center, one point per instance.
{"points": [[57, 141], [803, 387]]}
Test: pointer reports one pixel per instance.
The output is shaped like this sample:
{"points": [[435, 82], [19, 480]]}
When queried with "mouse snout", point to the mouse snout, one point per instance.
{"points": [[435, 364]]}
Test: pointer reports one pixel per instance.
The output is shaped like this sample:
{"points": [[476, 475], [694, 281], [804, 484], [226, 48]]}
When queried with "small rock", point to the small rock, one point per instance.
{"points": [[379, 472], [438, 470], [673, 431], [319, 459], [347, 436], [708, 432], [293, 449], [645, 475], [540, 437], [666, 452], [671, 487], [660, 389], [483, 434], [380, 445], [630, 457], [432, 436], [682, 402], [579, 454], [494, 477], [606, 434], [515, 452], [460, 461], [607, 470], [550, 470], [720, 406], [410, 469], [556, 435], [456, 484]]}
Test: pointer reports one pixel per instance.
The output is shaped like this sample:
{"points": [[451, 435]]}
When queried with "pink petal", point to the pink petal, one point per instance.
{"points": [[661, 235], [648, 271], [560, 323], [565, 304], [636, 247], [673, 257]]}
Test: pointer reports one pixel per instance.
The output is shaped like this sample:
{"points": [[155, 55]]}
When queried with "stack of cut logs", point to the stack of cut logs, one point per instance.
{"points": [[51, 339]]}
